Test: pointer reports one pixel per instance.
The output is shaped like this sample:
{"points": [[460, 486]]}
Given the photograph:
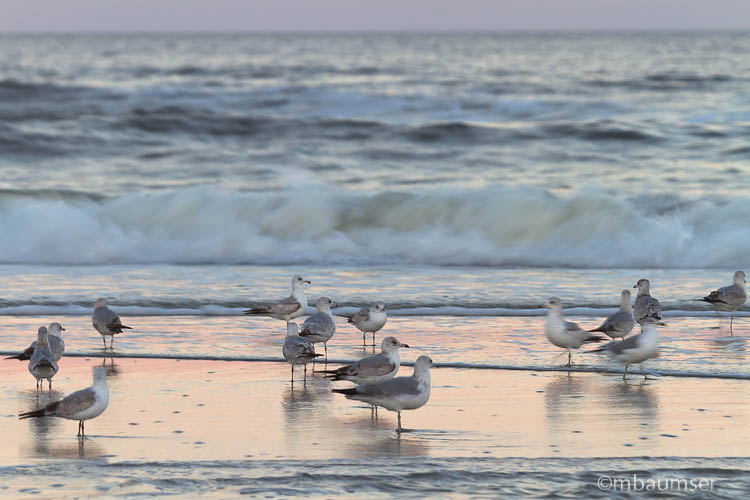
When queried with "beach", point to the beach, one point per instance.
{"points": [[236, 424], [461, 179]]}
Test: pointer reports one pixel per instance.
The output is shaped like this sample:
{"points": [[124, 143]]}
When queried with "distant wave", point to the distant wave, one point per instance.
{"points": [[315, 224], [191, 308], [668, 81]]}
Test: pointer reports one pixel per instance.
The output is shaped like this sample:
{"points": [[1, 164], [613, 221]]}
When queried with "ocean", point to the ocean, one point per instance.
{"points": [[459, 178]]}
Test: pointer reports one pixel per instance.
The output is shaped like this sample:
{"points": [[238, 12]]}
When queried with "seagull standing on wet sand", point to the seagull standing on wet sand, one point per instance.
{"points": [[106, 322], [563, 333], [397, 394], [620, 323], [729, 298], [369, 320], [54, 340], [321, 326], [81, 405], [42, 363], [645, 305], [635, 349], [291, 307], [297, 351], [372, 369]]}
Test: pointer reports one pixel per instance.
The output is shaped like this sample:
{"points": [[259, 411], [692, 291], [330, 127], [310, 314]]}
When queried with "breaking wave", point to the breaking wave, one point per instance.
{"points": [[315, 224]]}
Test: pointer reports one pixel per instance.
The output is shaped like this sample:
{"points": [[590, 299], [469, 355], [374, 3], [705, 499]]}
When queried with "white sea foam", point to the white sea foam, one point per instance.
{"points": [[316, 224]]}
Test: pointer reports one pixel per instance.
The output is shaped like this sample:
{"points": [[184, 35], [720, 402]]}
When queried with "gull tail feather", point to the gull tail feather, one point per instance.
{"points": [[346, 392], [48, 410], [22, 356], [31, 414], [256, 310]]}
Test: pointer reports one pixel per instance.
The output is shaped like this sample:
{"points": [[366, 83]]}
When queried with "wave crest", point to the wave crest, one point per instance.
{"points": [[494, 226]]}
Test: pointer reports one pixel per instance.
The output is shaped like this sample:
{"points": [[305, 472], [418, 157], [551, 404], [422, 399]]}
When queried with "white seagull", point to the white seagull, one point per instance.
{"points": [[645, 305], [372, 369], [620, 323], [42, 363], [106, 322], [297, 351], [634, 349], [729, 298], [81, 405], [563, 333], [397, 394], [369, 320], [54, 339], [321, 326], [291, 307]]}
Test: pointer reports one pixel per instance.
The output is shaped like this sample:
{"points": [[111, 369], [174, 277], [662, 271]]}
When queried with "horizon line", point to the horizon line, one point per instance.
{"points": [[370, 31]]}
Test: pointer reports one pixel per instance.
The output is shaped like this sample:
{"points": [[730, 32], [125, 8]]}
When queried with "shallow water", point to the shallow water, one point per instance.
{"points": [[217, 429]]}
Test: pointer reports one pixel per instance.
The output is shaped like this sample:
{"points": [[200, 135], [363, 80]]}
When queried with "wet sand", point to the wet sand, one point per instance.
{"points": [[208, 410]]}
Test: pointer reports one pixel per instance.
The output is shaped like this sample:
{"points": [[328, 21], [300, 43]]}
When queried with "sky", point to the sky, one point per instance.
{"points": [[369, 15]]}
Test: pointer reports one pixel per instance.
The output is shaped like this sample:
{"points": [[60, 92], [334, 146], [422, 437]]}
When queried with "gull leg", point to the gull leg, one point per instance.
{"points": [[624, 373], [364, 342], [49, 384], [399, 429], [104, 340], [292, 373], [305, 375], [373, 338], [80, 422], [645, 377], [83, 429], [731, 318], [325, 346], [568, 365]]}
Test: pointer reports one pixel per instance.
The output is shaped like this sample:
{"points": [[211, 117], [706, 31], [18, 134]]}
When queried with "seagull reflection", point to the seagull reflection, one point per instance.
{"points": [[112, 370], [374, 444], [45, 445], [731, 345], [633, 400], [308, 408], [563, 391]]}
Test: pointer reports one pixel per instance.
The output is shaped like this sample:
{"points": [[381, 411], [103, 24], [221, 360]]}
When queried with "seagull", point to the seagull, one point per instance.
{"points": [[729, 298], [291, 307], [106, 322], [320, 327], [397, 394], [564, 333], [634, 349], [620, 323], [645, 305], [369, 320], [297, 351], [42, 363], [372, 369], [81, 405], [54, 339]]}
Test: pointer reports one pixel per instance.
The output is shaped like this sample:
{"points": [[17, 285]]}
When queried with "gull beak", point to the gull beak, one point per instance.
{"points": [[403, 345], [307, 282], [334, 305], [61, 328], [635, 286]]}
